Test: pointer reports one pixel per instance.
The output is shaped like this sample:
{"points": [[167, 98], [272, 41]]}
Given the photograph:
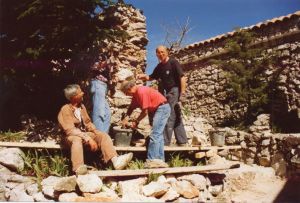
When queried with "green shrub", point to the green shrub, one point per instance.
{"points": [[41, 164], [135, 164], [178, 161], [12, 136]]}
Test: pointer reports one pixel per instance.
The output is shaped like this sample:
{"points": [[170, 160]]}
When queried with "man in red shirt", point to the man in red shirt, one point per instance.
{"points": [[151, 102]]}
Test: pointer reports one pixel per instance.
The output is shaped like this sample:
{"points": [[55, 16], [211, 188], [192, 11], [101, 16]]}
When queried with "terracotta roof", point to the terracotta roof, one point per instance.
{"points": [[258, 25]]}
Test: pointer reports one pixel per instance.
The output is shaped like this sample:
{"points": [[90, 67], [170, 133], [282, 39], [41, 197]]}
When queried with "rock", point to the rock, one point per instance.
{"points": [[295, 160], [39, 197], [100, 197], [32, 189], [4, 170], [89, 183], [12, 158], [132, 186], [186, 189], [48, 186], [215, 190], [66, 184], [170, 195], [197, 180], [155, 189], [123, 74], [68, 197], [134, 197], [16, 195], [279, 164]]}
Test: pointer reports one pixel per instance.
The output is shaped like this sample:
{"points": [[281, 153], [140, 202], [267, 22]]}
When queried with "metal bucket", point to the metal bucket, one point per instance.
{"points": [[217, 138], [122, 136]]}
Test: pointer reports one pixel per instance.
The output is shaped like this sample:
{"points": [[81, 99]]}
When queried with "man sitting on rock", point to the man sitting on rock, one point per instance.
{"points": [[79, 131], [151, 102]]}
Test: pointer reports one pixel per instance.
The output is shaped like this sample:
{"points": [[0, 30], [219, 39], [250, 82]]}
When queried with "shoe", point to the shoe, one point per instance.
{"points": [[81, 170], [121, 162], [155, 163], [183, 144]]}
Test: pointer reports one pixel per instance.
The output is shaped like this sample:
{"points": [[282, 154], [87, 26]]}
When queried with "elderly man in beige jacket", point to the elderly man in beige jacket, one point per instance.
{"points": [[80, 131]]}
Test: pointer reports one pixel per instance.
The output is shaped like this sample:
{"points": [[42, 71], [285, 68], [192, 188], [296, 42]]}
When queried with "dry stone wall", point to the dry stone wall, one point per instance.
{"points": [[206, 93], [128, 57], [262, 147]]}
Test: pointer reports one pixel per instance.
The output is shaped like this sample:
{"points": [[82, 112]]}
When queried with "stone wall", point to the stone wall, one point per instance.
{"points": [[206, 92], [262, 147], [128, 57]]}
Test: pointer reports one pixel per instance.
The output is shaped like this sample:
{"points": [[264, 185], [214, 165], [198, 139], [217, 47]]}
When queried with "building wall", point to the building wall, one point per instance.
{"points": [[206, 93]]}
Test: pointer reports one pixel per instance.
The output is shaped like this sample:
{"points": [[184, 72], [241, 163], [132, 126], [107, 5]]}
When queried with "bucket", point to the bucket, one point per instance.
{"points": [[217, 138], [122, 136]]}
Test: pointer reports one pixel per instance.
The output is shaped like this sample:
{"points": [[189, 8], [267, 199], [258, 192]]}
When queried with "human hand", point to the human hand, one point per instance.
{"points": [[134, 124], [124, 122], [182, 97], [93, 145], [142, 76]]}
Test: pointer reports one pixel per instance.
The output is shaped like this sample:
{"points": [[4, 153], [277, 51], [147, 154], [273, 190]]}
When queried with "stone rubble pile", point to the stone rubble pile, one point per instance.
{"points": [[90, 187], [262, 147]]}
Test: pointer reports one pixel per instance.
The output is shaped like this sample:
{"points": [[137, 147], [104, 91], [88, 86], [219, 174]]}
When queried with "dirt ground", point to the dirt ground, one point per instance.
{"points": [[259, 184]]}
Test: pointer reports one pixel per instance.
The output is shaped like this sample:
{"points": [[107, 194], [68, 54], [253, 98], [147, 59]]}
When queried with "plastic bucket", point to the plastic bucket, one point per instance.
{"points": [[122, 136], [217, 138]]}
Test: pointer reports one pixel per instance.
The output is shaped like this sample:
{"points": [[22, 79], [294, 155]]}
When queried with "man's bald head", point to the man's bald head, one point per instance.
{"points": [[162, 53]]}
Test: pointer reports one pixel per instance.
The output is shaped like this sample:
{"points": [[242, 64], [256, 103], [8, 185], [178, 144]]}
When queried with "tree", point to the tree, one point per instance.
{"points": [[175, 35], [245, 67], [45, 45]]}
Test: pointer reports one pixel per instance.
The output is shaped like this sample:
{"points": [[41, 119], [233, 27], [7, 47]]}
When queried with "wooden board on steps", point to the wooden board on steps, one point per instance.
{"points": [[175, 170], [132, 149]]}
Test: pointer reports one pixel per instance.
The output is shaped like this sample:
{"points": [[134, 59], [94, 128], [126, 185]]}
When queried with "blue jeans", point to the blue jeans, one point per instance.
{"points": [[156, 138], [101, 111]]}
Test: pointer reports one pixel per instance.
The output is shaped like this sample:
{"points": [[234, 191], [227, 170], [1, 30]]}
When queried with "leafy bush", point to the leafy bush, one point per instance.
{"points": [[135, 164], [41, 164], [12, 136], [248, 85], [178, 161]]}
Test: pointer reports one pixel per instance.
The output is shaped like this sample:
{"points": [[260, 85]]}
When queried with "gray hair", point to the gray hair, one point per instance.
{"points": [[126, 85], [71, 91]]}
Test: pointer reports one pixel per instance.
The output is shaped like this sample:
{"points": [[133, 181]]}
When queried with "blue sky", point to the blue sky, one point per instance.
{"points": [[208, 18]]}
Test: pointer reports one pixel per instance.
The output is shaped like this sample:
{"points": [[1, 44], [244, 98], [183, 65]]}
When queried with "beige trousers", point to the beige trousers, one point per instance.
{"points": [[103, 141]]}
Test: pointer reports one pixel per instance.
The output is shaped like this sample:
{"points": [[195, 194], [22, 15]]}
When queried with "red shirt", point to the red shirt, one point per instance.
{"points": [[147, 98]]}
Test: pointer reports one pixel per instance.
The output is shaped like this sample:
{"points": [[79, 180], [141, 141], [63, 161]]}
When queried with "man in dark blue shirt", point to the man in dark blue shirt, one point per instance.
{"points": [[172, 84]]}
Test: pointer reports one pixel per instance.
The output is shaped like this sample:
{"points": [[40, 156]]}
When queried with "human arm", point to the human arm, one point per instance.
{"points": [[142, 115], [125, 119], [183, 84], [143, 77]]}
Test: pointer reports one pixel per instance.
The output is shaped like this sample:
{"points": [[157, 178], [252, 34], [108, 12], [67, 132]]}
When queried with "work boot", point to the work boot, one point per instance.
{"points": [[81, 170], [120, 162], [155, 163], [183, 144]]}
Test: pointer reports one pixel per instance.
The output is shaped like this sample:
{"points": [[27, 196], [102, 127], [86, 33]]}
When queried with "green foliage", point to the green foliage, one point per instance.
{"points": [[153, 177], [45, 45], [178, 161], [135, 164], [186, 111], [12, 136], [42, 164], [247, 82]]}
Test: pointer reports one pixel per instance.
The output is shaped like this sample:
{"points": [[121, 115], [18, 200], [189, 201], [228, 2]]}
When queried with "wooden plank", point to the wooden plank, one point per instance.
{"points": [[133, 149], [30, 145], [166, 148], [56, 146], [143, 172], [220, 148]]}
